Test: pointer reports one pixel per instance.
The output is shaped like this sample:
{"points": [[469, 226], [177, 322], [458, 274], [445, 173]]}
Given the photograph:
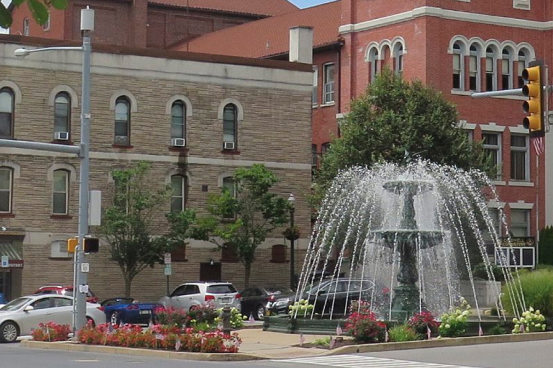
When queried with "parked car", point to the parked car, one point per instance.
{"points": [[194, 294], [64, 290], [127, 310], [257, 300], [20, 316], [336, 295]]}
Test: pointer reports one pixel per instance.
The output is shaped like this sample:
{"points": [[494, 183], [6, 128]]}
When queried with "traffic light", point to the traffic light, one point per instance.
{"points": [[534, 106], [91, 245], [72, 244]]}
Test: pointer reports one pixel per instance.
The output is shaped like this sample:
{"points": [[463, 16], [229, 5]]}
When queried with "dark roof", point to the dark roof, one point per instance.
{"points": [[269, 36], [158, 53]]}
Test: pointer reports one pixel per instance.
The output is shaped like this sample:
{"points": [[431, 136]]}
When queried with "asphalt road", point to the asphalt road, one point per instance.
{"points": [[533, 354]]}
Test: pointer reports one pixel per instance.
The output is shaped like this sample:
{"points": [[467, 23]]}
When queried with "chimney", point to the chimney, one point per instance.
{"points": [[301, 44]]}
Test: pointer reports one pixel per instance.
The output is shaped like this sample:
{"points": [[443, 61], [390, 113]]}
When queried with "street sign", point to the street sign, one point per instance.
{"points": [[5, 261], [167, 258], [167, 270], [85, 267]]}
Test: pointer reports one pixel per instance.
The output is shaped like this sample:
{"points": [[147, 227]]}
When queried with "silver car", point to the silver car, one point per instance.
{"points": [[194, 294], [20, 316]]}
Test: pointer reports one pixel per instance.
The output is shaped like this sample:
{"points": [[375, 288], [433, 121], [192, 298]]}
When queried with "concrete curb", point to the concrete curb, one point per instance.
{"points": [[262, 354]]}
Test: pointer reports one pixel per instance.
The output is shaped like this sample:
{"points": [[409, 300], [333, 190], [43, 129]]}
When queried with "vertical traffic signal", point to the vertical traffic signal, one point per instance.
{"points": [[91, 245], [534, 106]]}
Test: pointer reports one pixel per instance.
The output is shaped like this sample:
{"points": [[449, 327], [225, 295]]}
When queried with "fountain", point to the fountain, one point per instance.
{"points": [[414, 231]]}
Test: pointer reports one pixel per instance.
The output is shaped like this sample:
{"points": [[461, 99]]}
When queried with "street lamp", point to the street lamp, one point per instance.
{"points": [[291, 200], [80, 278]]}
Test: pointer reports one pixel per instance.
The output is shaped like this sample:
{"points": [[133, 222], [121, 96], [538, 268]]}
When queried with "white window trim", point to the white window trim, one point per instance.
{"points": [[478, 70], [461, 68], [67, 185], [499, 148], [324, 101], [521, 205], [315, 92], [510, 64], [522, 4]]}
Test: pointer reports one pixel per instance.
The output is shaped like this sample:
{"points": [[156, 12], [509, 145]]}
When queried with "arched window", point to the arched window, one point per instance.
{"points": [[6, 112], [122, 121], [523, 59], [474, 69], [373, 64], [62, 116], [229, 186], [230, 127], [60, 192], [398, 58], [506, 69], [458, 67], [6, 185], [178, 120], [178, 193], [491, 70]]}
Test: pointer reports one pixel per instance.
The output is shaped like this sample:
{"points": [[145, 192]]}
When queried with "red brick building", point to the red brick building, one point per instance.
{"points": [[456, 46], [147, 23]]}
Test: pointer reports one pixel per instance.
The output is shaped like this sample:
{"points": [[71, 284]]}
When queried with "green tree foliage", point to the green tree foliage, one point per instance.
{"points": [[244, 220], [127, 224], [546, 246], [38, 8], [396, 120]]}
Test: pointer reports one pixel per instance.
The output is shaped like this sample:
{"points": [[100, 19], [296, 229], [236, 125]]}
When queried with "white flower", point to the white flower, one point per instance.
{"points": [[447, 326], [531, 309]]}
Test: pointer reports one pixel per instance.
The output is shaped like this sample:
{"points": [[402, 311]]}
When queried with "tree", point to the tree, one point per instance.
{"points": [[396, 120], [243, 220], [127, 224], [38, 8]]}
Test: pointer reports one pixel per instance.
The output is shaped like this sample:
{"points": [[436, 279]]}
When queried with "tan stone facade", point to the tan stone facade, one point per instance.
{"points": [[274, 128]]}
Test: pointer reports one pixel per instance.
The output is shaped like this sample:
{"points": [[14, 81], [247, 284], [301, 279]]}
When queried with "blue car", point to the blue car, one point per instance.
{"points": [[126, 310]]}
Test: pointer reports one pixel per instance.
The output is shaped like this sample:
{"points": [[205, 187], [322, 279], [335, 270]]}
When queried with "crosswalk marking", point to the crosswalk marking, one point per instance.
{"points": [[361, 361]]}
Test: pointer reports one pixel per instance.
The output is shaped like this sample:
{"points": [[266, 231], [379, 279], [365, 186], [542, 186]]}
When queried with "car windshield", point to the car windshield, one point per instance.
{"points": [[15, 304], [221, 289], [279, 290]]}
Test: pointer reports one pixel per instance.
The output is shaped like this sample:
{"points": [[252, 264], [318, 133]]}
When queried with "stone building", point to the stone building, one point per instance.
{"points": [[164, 107]]}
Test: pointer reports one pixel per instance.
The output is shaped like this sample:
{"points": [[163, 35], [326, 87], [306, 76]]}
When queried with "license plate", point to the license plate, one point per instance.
{"points": [[145, 311], [225, 300]]}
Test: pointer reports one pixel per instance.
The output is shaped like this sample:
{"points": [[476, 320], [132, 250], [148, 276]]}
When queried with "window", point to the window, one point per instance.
{"points": [[62, 114], [122, 121], [328, 95], [314, 158], [522, 63], [230, 187], [178, 120], [179, 254], [26, 26], [398, 58], [59, 200], [278, 253], [506, 80], [315, 93], [6, 112], [520, 223], [230, 119], [474, 69], [228, 253], [325, 147], [6, 183], [492, 146], [458, 66], [519, 157], [491, 81], [373, 63], [178, 193]]}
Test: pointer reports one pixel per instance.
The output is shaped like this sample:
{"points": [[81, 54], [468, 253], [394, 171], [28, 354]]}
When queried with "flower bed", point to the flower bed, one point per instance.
{"points": [[51, 331]]}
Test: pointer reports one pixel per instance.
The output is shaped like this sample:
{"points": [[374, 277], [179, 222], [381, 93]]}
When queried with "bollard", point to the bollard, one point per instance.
{"points": [[225, 316]]}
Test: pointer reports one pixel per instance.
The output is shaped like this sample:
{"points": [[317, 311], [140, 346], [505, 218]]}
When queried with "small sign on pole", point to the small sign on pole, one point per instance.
{"points": [[167, 271], [5, 261], [167, 258]]}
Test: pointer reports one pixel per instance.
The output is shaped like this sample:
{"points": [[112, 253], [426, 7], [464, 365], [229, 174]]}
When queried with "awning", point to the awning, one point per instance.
{"points": [[13, 252]]}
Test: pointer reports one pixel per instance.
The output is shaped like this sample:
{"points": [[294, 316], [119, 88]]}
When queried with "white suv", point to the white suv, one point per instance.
{"points": [[194, 294]]}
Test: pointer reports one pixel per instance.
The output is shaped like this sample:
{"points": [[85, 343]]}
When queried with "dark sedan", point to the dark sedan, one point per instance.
{"points": [[257, 300], [335, 295], [127, 310]]}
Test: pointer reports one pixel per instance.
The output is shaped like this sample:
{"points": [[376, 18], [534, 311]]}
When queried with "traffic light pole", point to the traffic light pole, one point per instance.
{"points": [[504, 92]]}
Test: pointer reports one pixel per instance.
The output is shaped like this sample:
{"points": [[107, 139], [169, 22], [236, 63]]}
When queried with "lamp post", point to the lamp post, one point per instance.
{"points": [[291, 200], [80, 278]]}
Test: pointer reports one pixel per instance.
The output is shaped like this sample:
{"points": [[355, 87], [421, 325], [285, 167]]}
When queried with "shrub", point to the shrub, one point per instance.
{"points": [[403, 333], [480, 272], [421, 322], [497, 330], [530, 321], [455, 323], [236, 318], [301, 308], [171, 316], [204, 314], [537, 288], [51, 331], [363, 326]]}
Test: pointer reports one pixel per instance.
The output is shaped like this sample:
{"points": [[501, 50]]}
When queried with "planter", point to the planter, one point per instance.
{"points": [[487, 292], [302, 325]]}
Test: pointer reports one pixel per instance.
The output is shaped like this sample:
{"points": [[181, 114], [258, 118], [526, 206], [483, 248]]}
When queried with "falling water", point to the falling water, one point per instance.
{"points": [[413, 231]]}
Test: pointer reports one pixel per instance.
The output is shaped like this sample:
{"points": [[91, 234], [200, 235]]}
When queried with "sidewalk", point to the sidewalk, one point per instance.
{"points": [[259, 344]]}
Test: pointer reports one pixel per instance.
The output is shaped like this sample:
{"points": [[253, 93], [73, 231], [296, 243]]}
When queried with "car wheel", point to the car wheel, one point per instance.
{"points": [[8, 332], [259, 312], [115, 318]]}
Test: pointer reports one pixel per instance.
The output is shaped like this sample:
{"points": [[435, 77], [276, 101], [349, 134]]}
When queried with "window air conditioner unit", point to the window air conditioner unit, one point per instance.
{"points": [[61, 136], [228, 145], [178, 142], [121, 140]]}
